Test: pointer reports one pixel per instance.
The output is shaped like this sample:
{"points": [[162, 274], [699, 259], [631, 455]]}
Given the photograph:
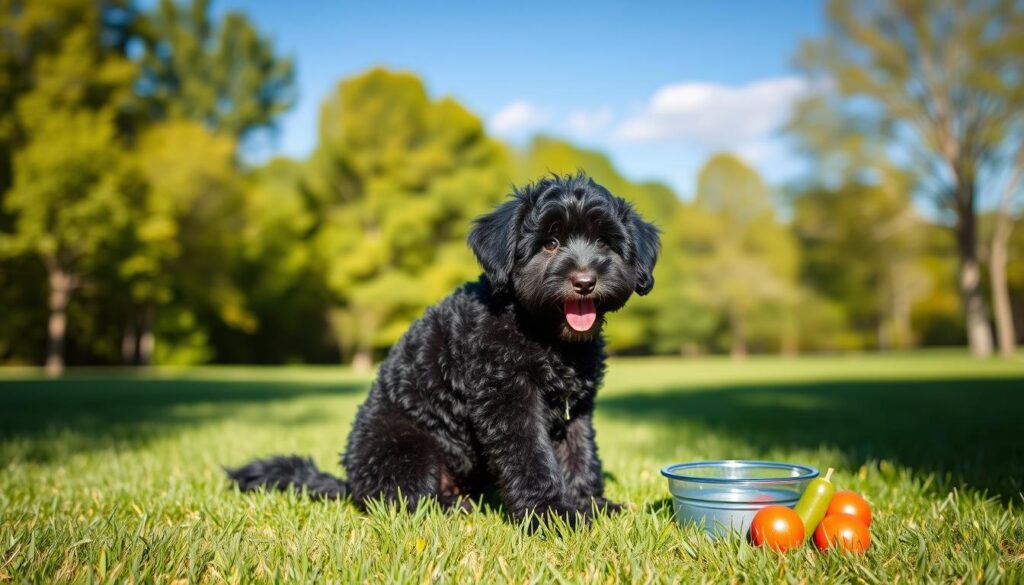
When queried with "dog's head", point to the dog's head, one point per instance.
{"points": [[567, 251]]}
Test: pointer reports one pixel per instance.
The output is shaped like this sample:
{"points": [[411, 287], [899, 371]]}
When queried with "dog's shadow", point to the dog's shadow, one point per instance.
{"points": [[97, 410]]}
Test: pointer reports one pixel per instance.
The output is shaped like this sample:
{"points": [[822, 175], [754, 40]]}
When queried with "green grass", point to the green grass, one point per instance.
{"points": [[115, 477]]}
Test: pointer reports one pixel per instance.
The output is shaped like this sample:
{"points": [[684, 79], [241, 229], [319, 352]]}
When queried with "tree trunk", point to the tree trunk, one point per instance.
{"points": [[882, 328], [902, 291], [789, 340], [979, 336], [129, 341], [362, 360], [1005, 333], [738, 333], [789, 346], [61, 286], [147, 339]]}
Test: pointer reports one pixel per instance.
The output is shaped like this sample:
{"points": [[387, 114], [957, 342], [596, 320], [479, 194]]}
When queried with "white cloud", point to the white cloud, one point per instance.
{"points": [[517, 118], [759, 152], [714, 116], [587, 123]]}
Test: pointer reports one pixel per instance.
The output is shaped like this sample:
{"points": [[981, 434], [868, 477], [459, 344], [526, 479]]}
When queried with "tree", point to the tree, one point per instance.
{"points": [[744, 261], [30, 31], [205, 86], [854, 221], [397, 179], [68, 194], [225, 76], [999, 256], [279, 272], [1015, 273], [185, 229], [935, 74], [862, 249], [35, 29]]}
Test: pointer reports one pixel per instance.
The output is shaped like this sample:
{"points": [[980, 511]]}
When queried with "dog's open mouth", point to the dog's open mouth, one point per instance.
{"points": [[580, 314]]}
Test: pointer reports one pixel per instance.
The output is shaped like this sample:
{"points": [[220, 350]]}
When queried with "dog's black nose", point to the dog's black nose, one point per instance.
{"points": [[582, 282]]}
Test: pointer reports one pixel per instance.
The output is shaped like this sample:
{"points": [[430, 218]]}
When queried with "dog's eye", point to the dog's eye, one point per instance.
{"points": [[600, 242], [551, 244]]}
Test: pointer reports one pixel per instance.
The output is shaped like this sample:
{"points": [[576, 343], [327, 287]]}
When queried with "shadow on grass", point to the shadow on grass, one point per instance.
{"points": [[99, 412], [967, 431]]}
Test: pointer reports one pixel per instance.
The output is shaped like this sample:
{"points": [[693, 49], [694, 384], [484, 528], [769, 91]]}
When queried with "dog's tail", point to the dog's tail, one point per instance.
{"points": [[284, 472]]}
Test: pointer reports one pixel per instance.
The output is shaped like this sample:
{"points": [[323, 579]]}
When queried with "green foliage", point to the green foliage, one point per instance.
{"points": [[35, 30], [280, 275], [120, 181], [224, 75], [68, 200], [185, 238], [118, 478], [743, 261], [186, 172], [396, 180], [863, 251], [941, 83], [863, 242], [23, 323], [124, 182], [67, 194], [207, 85], [950, 71], [1015, 268]]}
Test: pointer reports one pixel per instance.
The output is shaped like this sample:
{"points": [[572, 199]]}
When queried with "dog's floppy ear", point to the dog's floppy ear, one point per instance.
{"points": [[493, 240], [645, 246]]}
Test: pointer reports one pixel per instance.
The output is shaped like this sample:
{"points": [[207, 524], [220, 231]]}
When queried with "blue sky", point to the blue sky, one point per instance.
{"points": [[659, 86]]}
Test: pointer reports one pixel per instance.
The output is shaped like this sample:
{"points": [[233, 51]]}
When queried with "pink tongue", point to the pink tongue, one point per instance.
{"points": [[580, 314]]}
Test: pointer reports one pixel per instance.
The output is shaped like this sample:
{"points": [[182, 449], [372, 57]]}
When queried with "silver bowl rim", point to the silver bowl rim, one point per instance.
{"points": [[807, 472]]}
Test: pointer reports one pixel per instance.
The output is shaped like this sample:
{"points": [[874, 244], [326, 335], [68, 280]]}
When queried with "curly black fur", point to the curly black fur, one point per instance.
{"points": [[284, 471], [491, 388]]}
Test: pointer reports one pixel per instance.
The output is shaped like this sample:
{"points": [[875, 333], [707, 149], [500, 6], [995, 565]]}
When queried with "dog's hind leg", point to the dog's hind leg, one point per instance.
{"points": [[389, 457]]}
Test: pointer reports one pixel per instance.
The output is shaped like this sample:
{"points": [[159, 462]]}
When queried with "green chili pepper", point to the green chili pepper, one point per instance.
{"points": [[814, 503]]}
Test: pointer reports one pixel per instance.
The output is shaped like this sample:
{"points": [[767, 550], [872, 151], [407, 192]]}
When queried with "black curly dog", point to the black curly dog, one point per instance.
{"points": [[494, 387]]}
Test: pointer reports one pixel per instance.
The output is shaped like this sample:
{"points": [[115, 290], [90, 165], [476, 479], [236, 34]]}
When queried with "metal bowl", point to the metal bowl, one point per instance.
{"points": [[724, 496]]}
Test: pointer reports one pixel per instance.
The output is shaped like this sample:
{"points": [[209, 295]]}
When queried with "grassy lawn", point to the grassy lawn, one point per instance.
{"points": [[115, 477]]}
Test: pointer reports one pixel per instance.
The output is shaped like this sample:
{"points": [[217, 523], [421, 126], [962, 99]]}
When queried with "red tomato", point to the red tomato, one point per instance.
{"points": [[852, 504], [844, 532], [778, 527]]}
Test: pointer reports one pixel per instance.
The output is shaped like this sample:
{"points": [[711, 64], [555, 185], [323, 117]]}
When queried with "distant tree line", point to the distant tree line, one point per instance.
{"points": [[132, 230]]}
